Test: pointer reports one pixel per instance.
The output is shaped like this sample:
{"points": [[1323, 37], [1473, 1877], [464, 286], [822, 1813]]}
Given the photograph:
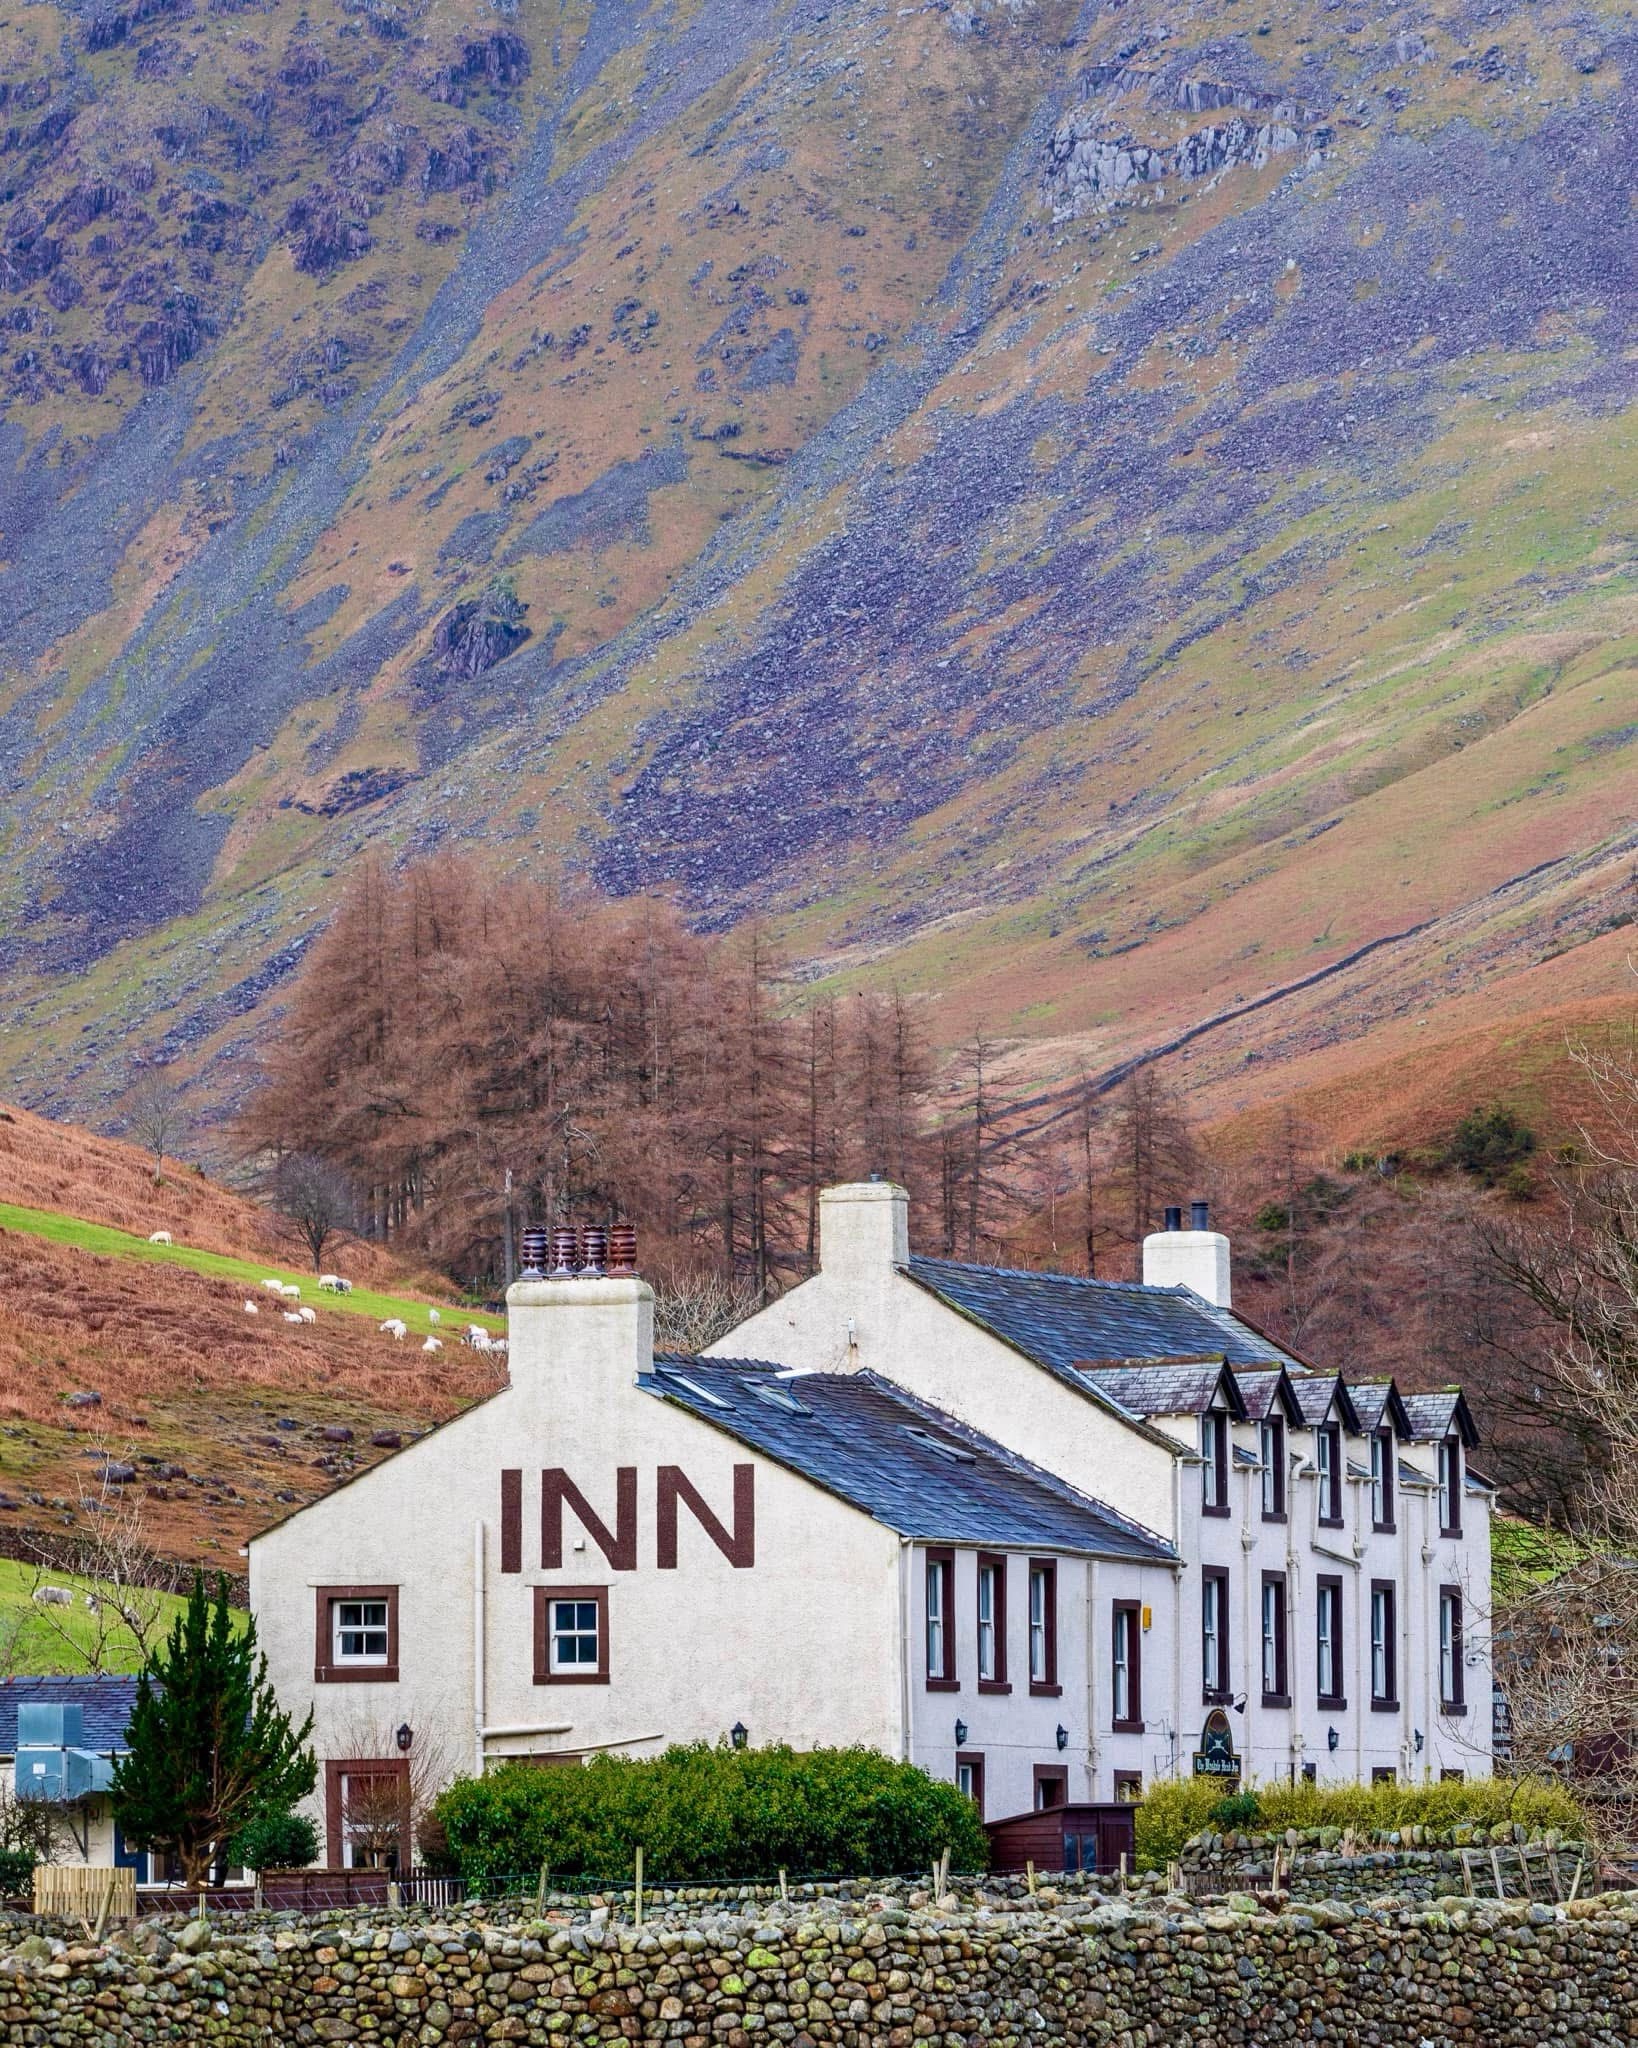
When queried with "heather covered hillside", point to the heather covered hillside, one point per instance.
{"points": [[1095, 512]]}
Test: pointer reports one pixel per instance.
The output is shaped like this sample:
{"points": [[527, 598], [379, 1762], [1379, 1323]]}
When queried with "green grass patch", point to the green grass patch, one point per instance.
{"points": [[39, 1641], [123, 1244], [1174, 1810], [1523, 1556]]}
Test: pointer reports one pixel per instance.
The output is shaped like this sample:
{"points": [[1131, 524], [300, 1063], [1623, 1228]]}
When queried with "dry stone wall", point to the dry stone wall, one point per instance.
{"points": [[1049, 1970]]}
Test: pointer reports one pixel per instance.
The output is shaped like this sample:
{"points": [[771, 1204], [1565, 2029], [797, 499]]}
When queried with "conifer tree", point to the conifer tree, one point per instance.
{"points": [[208, 1746]]}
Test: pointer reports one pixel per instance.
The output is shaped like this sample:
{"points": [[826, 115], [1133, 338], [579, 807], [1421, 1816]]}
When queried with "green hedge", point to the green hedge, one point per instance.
{"points": [[701, 1814], [1174, 1810], [16, 1872]]}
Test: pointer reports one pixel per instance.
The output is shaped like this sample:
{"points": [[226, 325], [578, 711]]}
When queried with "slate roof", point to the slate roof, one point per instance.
{"points": [[1370, 1398], [1435, 1416], [1062, 1321], [104, 1701], [1261, 1391], [911, 1467], [1315, 1393], [1172, 1388]]}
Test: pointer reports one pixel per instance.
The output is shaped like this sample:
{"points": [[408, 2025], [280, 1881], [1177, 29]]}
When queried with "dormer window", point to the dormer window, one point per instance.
{"points": [[1450, 1486], [1382, 1480], [1328, 1461], [1214, 1449]]}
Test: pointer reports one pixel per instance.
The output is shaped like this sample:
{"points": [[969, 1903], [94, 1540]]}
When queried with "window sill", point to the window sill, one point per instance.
{"points": [[1126, 1727], [1451, 1535], [1042, 1689], [944, 1685], [571, 1678], [1276, 1699], [1384, 1706], [1384, 1528], [1331, 1522], [1216, 1696], [355, 1674], [1218, 1514], [1331, 1702], [988, 1685], [1453, 1710], [1274, 1515]]}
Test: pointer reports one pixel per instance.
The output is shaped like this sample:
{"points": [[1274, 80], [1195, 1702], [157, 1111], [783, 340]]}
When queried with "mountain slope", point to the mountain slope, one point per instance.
{"points": [[1099, 512]]}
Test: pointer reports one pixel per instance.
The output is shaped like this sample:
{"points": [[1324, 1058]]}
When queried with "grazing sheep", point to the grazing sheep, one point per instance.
{"points": [[475, 1332], [159, 1237], [332, 1283], [395, 1329], [433, 1344], [308, 1315], [274, 1286], [54, 1596], [251, 1309], [292, 1315], [290, 1290], [433, 1316]]}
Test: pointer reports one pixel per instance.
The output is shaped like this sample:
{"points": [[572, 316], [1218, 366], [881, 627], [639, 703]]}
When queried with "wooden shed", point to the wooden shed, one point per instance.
{"points": [[1077, 1837]]}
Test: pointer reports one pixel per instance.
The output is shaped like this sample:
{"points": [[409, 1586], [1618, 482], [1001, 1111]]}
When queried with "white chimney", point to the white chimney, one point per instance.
{"points": [[1196, 1258], [864, 1230], [576, 1330]]}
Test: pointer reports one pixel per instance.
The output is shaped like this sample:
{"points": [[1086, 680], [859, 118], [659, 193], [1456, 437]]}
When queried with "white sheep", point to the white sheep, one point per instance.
{"points": [[54, 1596], [433, 1344], [475, 1331], [395, 1329], [332, 1283], [292, 1315], [307, 1315], [433, 1316], [159, 1237], [290, 1290], [251, 1309], [274, 1286]]}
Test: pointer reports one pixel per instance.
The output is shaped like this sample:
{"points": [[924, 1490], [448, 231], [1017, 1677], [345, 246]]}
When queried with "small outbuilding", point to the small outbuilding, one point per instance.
{"points": [[1082, 1836]]}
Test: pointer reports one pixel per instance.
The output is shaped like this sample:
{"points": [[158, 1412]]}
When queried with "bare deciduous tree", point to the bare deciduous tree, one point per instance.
{"points": [[314, 1200], [119, 1613], [1567, 1650], [692, 1310], [154, 1113]]}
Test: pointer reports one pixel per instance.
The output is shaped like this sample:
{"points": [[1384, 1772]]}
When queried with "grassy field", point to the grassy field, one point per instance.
{"points": [[363, 1301], [36, 1640]]}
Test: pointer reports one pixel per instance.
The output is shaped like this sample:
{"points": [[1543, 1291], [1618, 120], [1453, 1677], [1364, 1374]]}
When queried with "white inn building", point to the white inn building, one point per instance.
{"points": [[1053, 1539]]}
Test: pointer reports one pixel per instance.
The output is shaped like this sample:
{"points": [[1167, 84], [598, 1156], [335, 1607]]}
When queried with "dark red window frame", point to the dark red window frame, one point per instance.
{"points": [[1127, 1615], [326, 1669], [945, 1680], [1048, 1687], [544, 1674], [1215, 1694], [1336, 1698], [996, 1561]]}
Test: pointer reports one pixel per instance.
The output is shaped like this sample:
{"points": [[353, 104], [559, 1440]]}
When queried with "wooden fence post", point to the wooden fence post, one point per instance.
{"points": [[637, 1917]]}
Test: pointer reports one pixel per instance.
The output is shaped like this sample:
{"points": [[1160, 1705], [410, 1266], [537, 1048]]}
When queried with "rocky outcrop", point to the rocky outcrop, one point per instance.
{"points": [[1089, 167]]}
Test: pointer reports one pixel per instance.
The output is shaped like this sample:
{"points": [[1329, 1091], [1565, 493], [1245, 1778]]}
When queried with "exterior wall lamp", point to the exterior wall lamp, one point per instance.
{"points": [[405, 1735], [1332, 1739], [739, 1735], [1063, 1736], [961, 1733]]}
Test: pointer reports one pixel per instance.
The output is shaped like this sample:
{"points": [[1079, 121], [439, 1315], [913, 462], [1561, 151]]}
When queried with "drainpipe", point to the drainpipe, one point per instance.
{"points": [[479, 1714], [906, 1650], [1092, 1679]]}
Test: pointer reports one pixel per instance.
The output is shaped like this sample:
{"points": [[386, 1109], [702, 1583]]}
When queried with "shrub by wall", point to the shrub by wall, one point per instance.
{"points": [[706, 1814], [1174, 1811]]}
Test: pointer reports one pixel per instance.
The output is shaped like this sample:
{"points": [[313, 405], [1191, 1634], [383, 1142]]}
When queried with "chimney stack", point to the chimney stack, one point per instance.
{"points": [[584, 1330], [1196, 1258]]}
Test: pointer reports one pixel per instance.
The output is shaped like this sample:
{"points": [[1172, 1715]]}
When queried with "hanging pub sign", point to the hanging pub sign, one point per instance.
{"points": [[1216, 1758]]}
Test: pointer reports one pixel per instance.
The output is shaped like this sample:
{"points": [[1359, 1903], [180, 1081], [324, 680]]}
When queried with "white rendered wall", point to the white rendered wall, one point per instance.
{"points": [[800, 1648], [860, 1312]]}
